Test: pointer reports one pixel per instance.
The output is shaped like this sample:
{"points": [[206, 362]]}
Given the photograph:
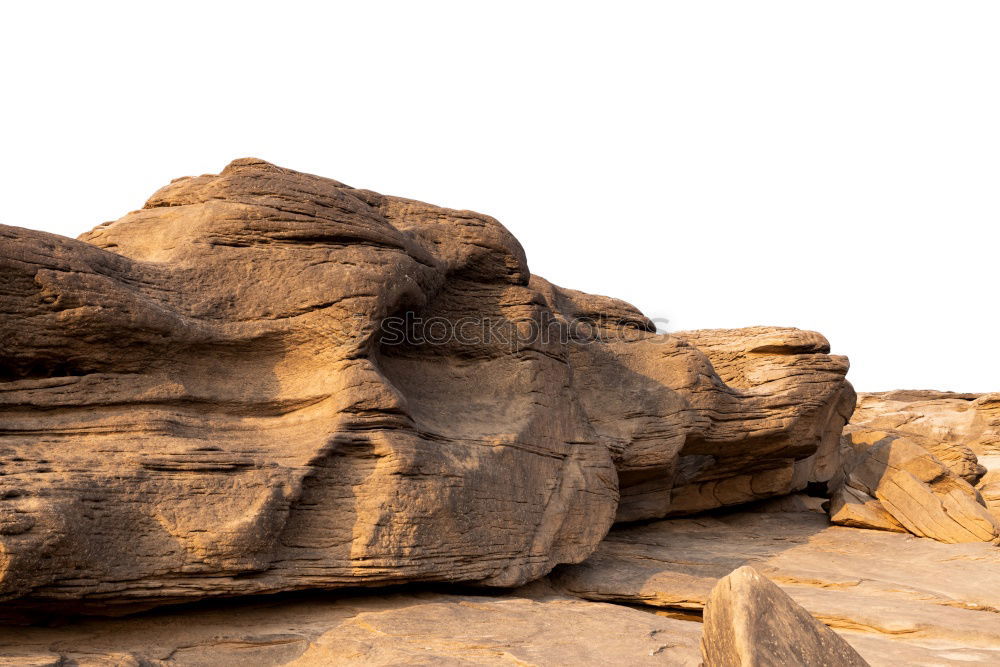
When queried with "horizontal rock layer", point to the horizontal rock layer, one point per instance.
{"points": [[896, 598], [236, 390], [948, 419], [397, 629], [533, 625]]}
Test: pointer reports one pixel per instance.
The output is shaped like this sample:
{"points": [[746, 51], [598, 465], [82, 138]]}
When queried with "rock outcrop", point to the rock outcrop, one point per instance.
{"points": [[267, 381], [895, 476], [751, 622], [990, 493], [769, 363], [909, 462], [855, 508], [896, 598], [945, 419]]}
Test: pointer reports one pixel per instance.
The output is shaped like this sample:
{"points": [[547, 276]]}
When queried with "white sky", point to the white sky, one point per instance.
{"points": [[827, 165]]}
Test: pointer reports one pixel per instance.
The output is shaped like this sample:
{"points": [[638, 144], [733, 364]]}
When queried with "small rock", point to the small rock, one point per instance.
{"points": [[854, 508]]}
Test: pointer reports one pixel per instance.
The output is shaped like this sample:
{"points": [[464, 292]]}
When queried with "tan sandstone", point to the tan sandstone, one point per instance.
{"points": [[964, 420], [918, 491], [752, 623], [400, 628], [896, 598], [205, 398]]}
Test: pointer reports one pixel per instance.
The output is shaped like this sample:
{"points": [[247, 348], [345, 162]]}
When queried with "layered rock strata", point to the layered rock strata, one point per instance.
{"points": [[893, 483], [399, 629], [910, 460], [943, 418], [266, 380]]}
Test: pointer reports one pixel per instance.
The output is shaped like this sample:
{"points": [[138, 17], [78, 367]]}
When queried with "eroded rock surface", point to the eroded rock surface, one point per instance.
{"points": [[965, 420], [894, 476], [910, 461], [228, 392], [752, 623], [893, 596], [989, 490], [768, 363], [397, 629], [855, 508]]}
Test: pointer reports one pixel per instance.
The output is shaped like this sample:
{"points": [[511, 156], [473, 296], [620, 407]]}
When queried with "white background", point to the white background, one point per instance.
{"points": [[827, 165]]}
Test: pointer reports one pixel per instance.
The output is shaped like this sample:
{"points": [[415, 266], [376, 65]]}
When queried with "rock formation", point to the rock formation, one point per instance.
{"points": [[970, 421], [990, 493], [920, 493], [752, 623], [769, 363], [909, 462], [267, 381]]}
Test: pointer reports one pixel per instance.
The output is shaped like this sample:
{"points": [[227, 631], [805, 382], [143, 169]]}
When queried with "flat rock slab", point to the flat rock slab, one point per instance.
{"points": [[890, 594], [413, 629]]}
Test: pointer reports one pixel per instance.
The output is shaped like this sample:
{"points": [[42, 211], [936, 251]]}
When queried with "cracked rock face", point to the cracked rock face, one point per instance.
{"points": [[913, 461], [238, 390], [951, 425], [892, 483]]}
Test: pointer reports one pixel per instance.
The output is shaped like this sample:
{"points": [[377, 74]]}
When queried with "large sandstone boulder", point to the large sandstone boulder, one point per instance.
{"points": [[751, 622], [266, 380], [768, 363]]}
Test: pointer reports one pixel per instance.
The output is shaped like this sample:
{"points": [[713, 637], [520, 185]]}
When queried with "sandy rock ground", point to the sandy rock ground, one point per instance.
{"points": [[537, 628], [889, 594]]}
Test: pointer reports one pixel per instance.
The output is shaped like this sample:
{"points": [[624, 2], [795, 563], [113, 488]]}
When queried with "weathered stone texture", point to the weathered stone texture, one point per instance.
{"points": [[752, 623], [203, 398], [909, 461], [896, 598]]}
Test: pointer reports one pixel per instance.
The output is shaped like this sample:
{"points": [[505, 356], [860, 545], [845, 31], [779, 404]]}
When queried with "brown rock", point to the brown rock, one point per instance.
{"points": [[854, 508], [966, 423], [990, 493], [750, 621], [888, 594], [795, 502], [397, 629], [897, 477], [240, 389], [767, 363]]}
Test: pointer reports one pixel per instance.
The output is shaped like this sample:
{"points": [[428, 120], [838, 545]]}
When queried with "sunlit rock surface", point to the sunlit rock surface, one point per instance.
{"points": [[236, 390]]}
